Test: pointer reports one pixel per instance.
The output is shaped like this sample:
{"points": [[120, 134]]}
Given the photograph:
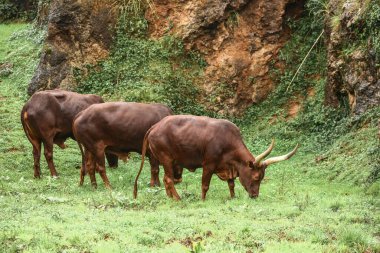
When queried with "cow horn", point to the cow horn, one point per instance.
{"points": [[265, 153], [281, 158]]}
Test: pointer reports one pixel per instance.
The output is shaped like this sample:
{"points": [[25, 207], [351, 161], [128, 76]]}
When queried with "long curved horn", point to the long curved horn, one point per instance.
{"points": [[265, 153], [281, 158]]}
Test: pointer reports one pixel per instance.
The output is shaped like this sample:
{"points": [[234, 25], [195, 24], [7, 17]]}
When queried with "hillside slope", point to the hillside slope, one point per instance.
{"points": [[311, 203]]}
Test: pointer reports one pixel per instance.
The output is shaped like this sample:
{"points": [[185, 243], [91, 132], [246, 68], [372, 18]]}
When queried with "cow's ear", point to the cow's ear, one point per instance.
{"points": [[251, 164]]}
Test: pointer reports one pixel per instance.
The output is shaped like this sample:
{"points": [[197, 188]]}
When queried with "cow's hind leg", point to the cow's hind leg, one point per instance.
{"points": [[36, 157], [206, 179], [169, 181], [36, 143], [48, 152], [83, 168], [92, 166], [100, 160], [87, 168], [154, 171], [82, 174]]}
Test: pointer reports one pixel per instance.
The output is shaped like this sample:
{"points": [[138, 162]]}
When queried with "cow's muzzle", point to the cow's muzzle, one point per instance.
{"points": [[253, 196]]}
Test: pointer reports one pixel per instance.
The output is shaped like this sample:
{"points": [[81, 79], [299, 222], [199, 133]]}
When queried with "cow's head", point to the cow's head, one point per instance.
{"points": [[253, 172]]}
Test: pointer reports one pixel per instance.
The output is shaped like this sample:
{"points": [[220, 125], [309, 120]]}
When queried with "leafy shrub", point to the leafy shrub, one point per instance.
{"points": [[24, 10], [144, 70], [363, 33], [371, 31]]}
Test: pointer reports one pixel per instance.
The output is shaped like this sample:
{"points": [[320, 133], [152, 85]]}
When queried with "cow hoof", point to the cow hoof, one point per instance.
{"points": [[154, 184], [177, 181]]}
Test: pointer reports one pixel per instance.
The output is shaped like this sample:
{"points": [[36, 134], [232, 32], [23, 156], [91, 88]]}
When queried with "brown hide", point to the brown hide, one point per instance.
{"points": [[116, 127], [213, 144], [47, 118]]}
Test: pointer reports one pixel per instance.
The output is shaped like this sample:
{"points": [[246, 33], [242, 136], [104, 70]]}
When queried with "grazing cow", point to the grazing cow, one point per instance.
{"points": [[47, 118], [118, 128], [213, 144]]}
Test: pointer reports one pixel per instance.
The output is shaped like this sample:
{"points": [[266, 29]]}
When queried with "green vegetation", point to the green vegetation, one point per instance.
{"points": [[328, 133], [19, 10], [325, 199], [145, 70], [362, 29], [371, 31], [133, 7]]}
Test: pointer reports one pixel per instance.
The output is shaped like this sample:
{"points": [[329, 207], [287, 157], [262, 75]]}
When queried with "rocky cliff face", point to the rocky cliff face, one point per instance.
{"points": [[353, 70], [79, 33], [239, 39]]}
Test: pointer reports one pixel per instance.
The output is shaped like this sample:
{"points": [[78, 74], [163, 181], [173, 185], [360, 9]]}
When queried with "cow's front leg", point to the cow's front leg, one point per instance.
{"points": [[101, 163], [178, 170], [231, 185], [113, 160]]}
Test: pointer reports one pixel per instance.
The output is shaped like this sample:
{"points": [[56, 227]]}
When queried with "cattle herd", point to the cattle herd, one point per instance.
{"points": [[111, 130]]}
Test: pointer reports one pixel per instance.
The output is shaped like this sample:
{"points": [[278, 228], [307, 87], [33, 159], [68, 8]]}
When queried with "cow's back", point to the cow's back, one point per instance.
{"points": [[120, 125], [192, 139], [52, 112], [71, 103]]}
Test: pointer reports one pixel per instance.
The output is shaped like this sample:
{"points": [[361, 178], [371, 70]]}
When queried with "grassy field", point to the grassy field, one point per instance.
{"points": [[304, 206]]}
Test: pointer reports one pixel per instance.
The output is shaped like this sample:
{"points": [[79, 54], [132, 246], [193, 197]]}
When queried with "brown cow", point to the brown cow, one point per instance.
{"points": [[47, 118], [118, 128], [214, 144]]}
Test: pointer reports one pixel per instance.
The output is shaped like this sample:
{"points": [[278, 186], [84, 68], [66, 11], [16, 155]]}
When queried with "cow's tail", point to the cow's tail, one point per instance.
{"points": [[25, 126], [143, 152], [23, 123]]}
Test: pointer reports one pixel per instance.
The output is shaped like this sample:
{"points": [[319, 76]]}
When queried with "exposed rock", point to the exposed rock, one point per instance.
{"points": [[79, 32], [352, 74], [239, 39]]}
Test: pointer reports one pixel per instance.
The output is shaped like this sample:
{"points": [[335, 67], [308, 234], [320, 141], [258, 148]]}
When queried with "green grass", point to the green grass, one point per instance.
{"points": [[304, 206]]}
